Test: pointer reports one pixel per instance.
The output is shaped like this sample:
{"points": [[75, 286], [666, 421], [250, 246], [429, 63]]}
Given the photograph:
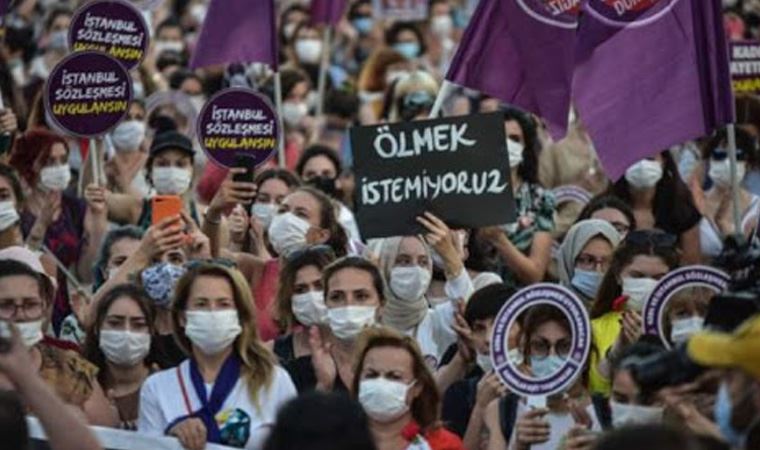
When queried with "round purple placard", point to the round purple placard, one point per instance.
{"points": [[624, 13], [113, 27], [236, 122], [571, 193], [685, 277], [88, 93], [580, 324]]}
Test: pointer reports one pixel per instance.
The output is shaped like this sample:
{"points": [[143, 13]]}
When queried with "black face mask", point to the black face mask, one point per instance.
{"points": [[324, 184]]}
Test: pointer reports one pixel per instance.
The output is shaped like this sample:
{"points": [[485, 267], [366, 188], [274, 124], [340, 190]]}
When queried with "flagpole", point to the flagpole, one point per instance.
{"points": [[443, 93], [731, 131], [93, 154], [322, 83], [280, 124]]}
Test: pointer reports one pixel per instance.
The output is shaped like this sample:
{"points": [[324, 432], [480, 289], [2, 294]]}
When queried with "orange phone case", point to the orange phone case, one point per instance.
{"points": [[165, 206]]}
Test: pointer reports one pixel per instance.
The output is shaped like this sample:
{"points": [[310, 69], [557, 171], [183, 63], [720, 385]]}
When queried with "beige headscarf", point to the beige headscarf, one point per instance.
{"points": [[576, 238], [398, 313]]}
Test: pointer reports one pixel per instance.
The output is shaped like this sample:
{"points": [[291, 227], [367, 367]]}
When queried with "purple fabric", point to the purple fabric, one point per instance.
{"points": [[641, 89], [511, 55], [237, 31], [327, 12]]}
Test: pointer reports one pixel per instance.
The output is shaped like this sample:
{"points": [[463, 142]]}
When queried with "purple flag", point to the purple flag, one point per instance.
{"points": [[521, 52], [327, 12], [237, 31], [650, 76]]}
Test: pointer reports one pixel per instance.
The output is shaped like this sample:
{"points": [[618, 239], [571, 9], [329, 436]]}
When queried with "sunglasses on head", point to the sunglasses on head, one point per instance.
{"points": [[321, 249], [224, 262], [651, 238], [719, 154]]}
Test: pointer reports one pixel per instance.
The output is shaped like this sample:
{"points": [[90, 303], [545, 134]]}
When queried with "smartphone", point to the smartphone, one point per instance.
{"points": [[248, 163], [164, 206]]}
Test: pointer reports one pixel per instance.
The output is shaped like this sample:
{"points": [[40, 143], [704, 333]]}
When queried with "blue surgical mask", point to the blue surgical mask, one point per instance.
{"points": [[159, 280], [586, 282], [409, 50], [363, 25], [546, 367], [723, 411]]}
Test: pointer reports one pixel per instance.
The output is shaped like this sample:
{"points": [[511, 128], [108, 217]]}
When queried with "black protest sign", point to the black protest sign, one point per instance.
{"points": [[456, 167]]}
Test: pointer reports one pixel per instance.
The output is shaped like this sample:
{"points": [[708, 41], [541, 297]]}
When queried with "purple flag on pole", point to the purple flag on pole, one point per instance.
{"points": [[521, 52], [327, 12], [237, 31], [650, 76]]}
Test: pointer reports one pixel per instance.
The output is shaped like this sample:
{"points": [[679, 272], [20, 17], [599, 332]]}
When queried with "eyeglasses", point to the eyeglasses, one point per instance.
{"points": [[590, 262], [541, 348], [322, 250], [224, 262], [651, 238], [9, 309]]}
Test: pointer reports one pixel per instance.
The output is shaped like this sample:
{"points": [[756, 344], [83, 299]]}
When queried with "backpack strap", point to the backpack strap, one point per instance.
{"points": [[602, 410], [508, 415]]}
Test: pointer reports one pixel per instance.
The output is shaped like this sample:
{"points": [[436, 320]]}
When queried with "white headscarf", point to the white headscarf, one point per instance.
{"points": [[576, 239]]}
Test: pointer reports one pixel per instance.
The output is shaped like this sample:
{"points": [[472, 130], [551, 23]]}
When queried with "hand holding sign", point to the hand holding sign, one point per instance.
{"points": [[532, 428]]}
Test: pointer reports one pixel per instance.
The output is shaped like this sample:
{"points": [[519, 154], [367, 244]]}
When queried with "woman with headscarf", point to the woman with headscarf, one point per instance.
{"points": [[585, 256], [407, 264]]}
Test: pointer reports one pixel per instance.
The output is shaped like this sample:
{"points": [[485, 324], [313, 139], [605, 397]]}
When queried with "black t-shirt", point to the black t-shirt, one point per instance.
{"points": [[302, 373], [167, 352], [458, 403], [676, 219]]}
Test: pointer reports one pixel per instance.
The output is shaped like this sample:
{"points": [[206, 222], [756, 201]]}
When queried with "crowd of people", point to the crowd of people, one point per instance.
{"points": [[261, 318]]}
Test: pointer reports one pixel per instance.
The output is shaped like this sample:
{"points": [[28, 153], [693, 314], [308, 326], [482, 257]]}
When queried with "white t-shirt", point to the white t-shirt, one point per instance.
{"points": [[559, 424], [162, 402], [435, 333]]}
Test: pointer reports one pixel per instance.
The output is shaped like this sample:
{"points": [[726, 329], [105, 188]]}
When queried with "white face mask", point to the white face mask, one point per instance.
{"points": [[308, 51], [264, 212], [309, 308], [644, 174], [720, 172], [637, 290], [627, 415], [55, 178], [128, 135], [442, 26], [212, 331], [682, 329], [410, 283], [484, 362], [31, 332], [8, 215], [287, 233], [59, 40], [383, 400], [124, 348], [171, 180], [169, 46], [347, 322], [515, 150], [293, 113]]}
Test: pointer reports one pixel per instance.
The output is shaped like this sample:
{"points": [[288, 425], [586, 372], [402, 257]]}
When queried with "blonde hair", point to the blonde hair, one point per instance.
{"points": [[416, 81], [257, 361]]}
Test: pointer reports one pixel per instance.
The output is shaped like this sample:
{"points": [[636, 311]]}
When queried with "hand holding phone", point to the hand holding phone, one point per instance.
{"points": [[163, 206]]}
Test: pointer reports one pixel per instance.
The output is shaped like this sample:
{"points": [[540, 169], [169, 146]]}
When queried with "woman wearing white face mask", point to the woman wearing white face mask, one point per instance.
{"points": [[300, 309], [354, 298], [119, 344], [229, 374], [26, 294], [126, 168], [11, 198], [399, 394], [628, 406], [521, 251], [51, 216], [169, 171], [717, 208], [406, 263], [661, 200], [641, 259], [685, 313]]}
